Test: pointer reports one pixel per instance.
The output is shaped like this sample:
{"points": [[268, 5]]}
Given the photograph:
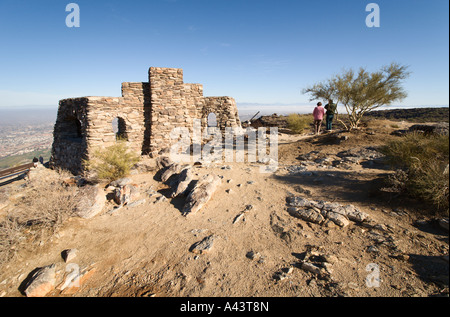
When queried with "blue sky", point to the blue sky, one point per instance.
{"points": [[257, 51]]}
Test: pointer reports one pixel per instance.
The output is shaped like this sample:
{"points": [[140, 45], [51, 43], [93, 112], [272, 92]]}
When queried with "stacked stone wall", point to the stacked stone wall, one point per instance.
{"points": [[146, 112]]}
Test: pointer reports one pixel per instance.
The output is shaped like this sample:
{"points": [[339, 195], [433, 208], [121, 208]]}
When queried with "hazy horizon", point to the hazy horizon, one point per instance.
{"points": [[44, 114]]}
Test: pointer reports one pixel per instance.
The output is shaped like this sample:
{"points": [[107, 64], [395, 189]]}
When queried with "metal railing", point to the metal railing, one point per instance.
{"points": [[10, 172]]}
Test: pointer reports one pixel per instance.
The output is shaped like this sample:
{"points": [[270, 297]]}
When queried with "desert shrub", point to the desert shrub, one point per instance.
{"points": [[112, 163], [44, 207], [298, 123], [424, 159], [11, 233], [47, 205]]}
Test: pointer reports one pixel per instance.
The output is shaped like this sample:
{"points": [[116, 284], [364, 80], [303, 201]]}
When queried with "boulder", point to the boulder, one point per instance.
{"points": [[126, 194], [296, 201], [201, 193], [355, 214], [309, 214], [319, 211], [42, 282], [338, 218], [181, 182], [440, 128], [146, 165], [170, 170], [163, 162], [90, 201]]}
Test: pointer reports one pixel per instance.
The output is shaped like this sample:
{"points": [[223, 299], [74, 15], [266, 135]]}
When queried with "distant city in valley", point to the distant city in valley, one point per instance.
{"points": [[25, 133]]}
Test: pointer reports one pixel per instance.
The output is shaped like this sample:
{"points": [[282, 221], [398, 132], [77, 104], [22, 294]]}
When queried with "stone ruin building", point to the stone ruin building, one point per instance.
{"points": [[144, 116]]}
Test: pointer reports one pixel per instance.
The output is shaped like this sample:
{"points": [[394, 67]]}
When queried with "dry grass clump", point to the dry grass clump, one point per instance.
{"points": [[423, 160], [44, 207], [11, 234]]}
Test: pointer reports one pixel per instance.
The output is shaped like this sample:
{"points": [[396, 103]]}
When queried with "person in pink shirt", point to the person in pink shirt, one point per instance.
{"points": [[318, 114]]}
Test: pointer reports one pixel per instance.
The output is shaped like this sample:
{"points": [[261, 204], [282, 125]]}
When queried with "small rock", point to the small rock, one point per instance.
{"points": [[311, 268], [69, 254], [203, 246], [279, 276], [288, 270], [443, 223], [380, 227], [238, 217], [160, 199], [330, 258], [252, 255], [121, 182], [401, 257], [301, 190], [372, 249]]}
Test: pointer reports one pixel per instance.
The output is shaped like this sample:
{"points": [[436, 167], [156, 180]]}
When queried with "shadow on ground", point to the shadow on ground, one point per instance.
{"points": [[431, 269], [352, 187]]}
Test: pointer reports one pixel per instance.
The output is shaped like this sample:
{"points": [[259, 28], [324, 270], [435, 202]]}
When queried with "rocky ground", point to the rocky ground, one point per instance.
{"points": [[319, 226]]}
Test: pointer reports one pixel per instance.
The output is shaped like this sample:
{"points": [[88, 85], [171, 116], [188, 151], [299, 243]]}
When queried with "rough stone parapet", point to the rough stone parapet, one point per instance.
{"points": [[144, 116]]}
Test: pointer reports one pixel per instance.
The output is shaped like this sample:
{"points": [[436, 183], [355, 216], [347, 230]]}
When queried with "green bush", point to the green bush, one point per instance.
{"points": [[113, 162], [425, 160], [298, 123]]}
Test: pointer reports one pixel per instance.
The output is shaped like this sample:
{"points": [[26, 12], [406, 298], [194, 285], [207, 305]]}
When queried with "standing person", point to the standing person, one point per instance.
{"points": [[331, 109], [318, 114]]}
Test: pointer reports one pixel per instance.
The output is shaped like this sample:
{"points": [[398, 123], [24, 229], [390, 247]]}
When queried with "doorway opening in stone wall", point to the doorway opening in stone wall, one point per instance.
{"points": [[119, 127], [71, 128]]}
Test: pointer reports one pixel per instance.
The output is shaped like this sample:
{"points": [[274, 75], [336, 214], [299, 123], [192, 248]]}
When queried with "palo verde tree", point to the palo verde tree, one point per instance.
{"points": [[362, 91]]}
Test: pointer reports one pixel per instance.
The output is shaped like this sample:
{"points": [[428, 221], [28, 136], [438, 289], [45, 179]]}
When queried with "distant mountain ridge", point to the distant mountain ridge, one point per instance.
{"points": [[413, 115]]}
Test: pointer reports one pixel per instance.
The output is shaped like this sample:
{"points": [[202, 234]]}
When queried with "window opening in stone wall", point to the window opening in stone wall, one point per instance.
{"points": [[120, 129], [212, 120]]}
